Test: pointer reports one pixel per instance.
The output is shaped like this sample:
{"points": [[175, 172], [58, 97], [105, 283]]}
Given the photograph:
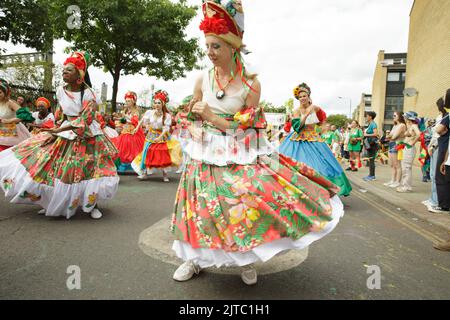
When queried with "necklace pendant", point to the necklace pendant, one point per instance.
{"points": [[220, 94]]}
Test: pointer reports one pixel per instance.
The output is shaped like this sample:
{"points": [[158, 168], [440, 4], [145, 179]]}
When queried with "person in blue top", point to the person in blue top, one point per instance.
{"points": [[371, 143]]}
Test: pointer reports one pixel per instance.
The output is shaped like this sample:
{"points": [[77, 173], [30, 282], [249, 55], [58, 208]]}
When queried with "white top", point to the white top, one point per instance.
{"points": [[71, 106], [6, 112], [156, 123], [312, 118], [230, 104], [39, 121]]}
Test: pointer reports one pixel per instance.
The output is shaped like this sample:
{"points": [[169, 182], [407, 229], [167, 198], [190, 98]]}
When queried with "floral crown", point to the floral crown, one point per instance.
{"points": [[301, 88], [161, 95]]}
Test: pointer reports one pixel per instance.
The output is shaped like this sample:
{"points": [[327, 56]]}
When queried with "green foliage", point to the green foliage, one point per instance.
{"points": [[122, 37], [269, 107], [339, 120]]}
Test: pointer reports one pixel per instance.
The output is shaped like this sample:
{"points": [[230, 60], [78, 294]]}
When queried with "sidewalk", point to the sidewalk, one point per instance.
{"points": [[410, 202]]}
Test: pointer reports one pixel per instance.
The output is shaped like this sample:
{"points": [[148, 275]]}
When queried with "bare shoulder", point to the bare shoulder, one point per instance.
{"points": [[317, 108], [13, 105]]}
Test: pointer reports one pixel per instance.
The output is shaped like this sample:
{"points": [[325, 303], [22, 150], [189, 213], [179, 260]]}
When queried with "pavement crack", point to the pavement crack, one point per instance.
{"points": [[17, 230]]}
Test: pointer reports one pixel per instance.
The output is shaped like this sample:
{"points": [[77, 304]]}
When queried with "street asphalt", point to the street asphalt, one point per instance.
{"points": [[36, 252]]}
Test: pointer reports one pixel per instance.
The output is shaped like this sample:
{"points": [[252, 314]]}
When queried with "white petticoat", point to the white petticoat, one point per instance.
{"points": [[110, 132], [22, 135], [222, 150], [206, 258], [57, 200]]}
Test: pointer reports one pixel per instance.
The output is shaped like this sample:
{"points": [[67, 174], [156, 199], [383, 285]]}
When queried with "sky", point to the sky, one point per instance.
{"points": [[331, 45]]}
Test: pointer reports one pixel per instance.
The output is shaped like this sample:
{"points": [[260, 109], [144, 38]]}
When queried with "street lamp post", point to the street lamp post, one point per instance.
{"points": [[350, 115]]}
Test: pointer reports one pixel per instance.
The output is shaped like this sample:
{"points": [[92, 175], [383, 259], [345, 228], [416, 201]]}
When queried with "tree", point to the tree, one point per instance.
{"points": [[27, 22], [339, 120], [122, 36], [289, 105], [135, 36]]}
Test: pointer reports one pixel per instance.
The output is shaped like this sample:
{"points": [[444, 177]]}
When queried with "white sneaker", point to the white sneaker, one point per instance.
{"points": [[42, 212], [426, 203], [249, 275], [437, 210], [165, 179], [186, 271], [179, 171], [96, 214], [394, 185], [142, 177], [388, 184]]}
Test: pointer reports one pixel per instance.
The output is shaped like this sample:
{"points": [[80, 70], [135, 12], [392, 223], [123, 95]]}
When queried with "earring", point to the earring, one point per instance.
{"points": [[79, 81]]}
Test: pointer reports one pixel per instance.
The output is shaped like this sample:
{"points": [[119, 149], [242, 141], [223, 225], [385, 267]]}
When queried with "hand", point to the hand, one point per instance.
{"points": [[202, 109], [51, 138], [93, 105], [6, 121], [196, 133], [442, 168]]}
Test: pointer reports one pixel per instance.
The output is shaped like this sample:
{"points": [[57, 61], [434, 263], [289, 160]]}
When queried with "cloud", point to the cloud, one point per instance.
{"points": [[331, 45]]}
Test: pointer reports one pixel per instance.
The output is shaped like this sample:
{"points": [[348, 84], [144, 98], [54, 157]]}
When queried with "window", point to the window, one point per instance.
{"points": [[393, 104], [393, 76]]}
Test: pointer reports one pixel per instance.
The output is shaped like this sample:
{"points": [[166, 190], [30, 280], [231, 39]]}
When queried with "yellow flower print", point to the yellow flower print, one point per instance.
{"points": [[92, 199], [237, 213], [252, 214], [287, 186], [75, 204]]}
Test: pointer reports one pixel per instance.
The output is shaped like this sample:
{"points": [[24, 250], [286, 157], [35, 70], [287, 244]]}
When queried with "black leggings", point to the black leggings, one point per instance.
{"points": [[371, 153]]}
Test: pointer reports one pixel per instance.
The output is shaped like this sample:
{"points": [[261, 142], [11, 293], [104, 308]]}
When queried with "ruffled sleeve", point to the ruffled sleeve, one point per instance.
{"points": [[100, 120], [288, 126], [135, 120], [24, 115], [59, 115], [249, 117], [321, 115], [167, 122]]}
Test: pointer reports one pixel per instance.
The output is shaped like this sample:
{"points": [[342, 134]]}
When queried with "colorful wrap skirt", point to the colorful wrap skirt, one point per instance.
{"points": [[316, 154], [164, 154]]}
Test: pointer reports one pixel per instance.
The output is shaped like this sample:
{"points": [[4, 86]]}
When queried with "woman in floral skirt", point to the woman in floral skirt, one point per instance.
{"points": [[12, 130], [131, 140], [161, 150], [67, 167], [239, 201]]}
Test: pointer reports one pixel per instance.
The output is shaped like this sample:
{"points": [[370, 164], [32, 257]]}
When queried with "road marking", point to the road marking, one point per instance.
{"points": [[394, 215]]}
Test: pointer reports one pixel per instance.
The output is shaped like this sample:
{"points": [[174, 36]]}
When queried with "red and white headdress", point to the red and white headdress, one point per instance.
{"points": [[131, 95], [161, 95], [42, 101], [80, 60], [224, 19]]}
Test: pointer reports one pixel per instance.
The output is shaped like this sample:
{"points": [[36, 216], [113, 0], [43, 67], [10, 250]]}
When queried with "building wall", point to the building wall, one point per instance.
{"points": [[379, 90], [428, 69]]}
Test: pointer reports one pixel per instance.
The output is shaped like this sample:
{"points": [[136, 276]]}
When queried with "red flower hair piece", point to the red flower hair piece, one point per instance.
{"points": [[214, 25], [161, 95], [131, 95], [77, 61]]}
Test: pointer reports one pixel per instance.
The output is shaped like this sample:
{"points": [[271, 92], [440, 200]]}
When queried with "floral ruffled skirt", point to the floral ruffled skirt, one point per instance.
{"points": [[240, 214], [60, 176]]}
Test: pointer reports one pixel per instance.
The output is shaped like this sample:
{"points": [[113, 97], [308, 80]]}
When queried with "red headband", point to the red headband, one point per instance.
{"points": [[131, 95], [161, 96], [78, 60], [42, 100]]}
